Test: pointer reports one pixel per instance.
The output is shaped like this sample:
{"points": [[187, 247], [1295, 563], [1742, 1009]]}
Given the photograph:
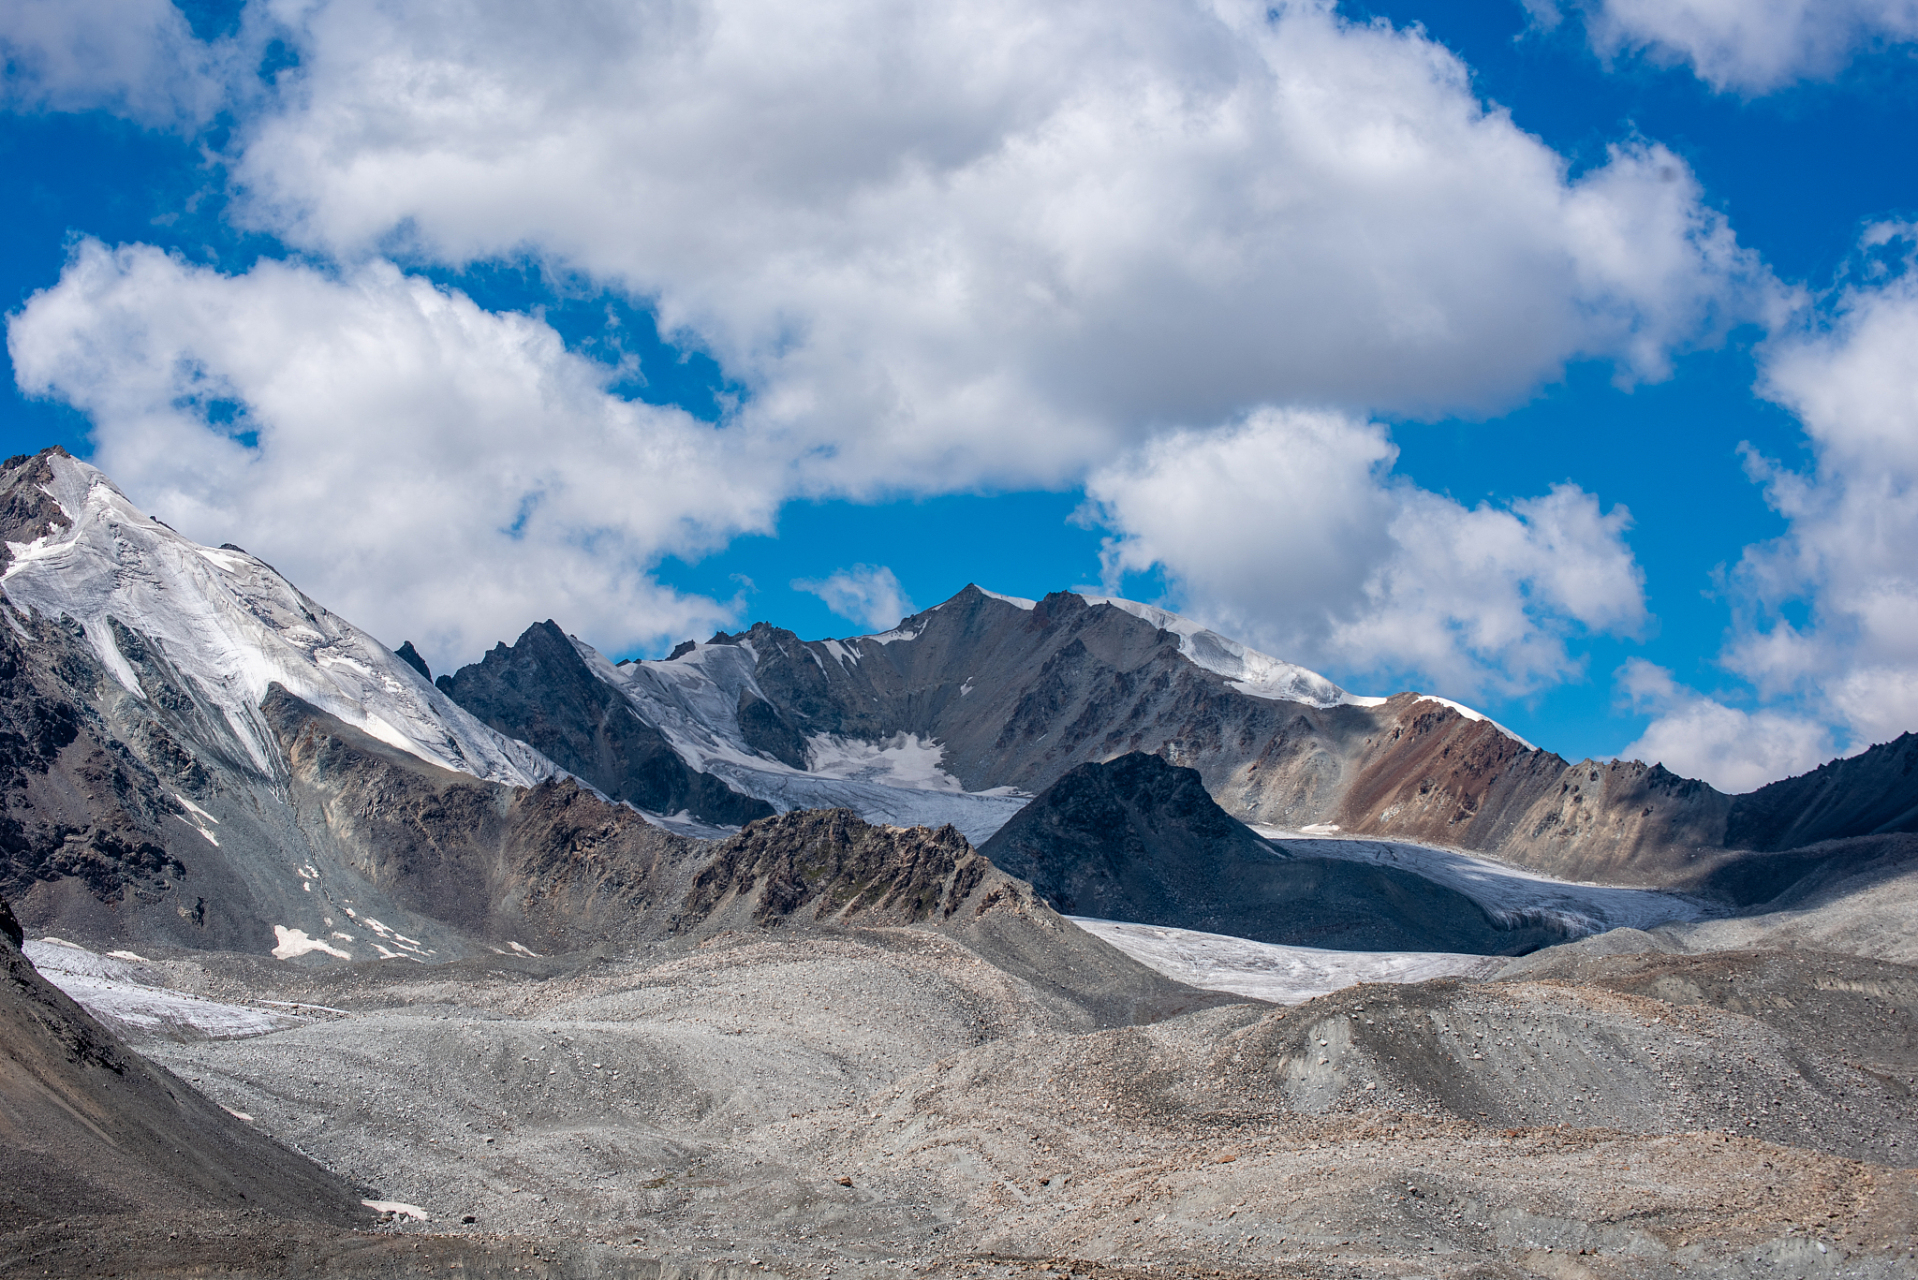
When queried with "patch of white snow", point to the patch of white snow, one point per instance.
{"points": [[1511, 895], [294, 942], [131, 999], [1258, 675]]}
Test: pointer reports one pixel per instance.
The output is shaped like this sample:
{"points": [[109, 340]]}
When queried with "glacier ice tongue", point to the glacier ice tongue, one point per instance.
{"points": [[232, 626]]}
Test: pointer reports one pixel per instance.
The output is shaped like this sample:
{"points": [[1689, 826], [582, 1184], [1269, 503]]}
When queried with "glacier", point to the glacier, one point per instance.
{"points": [[229, 624]]}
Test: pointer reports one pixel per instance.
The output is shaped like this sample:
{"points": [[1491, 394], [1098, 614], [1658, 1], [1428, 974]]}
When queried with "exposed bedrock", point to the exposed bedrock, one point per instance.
{"points": [[1142, 840], [1018, 696], [541, 692]]}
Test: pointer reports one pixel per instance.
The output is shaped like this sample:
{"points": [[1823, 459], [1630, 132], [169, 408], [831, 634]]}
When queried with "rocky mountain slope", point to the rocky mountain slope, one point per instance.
{"points": [[1869, 794], [89, 1128], [1141, 840], [542, 692], [221, 623], [984, 697]]}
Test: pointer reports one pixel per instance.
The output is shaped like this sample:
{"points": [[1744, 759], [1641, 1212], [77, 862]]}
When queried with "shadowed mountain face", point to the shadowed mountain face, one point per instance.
{"points": [[558, 868], [89, 1128], [1142, 840], [541, 692], [1871, 794]]}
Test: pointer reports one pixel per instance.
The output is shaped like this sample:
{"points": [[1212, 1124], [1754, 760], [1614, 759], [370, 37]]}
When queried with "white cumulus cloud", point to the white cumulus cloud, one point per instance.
{"points": [[1825, 623], [1289, 530], [1750, 46], [941, 248], [987, 244], [869, 595], [1733, 749], [137, 58], [1849, 550], [426, 468]]}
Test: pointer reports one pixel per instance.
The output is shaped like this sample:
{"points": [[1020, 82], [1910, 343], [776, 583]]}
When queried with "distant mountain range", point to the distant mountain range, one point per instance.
{"points": [[966, 709], [194, 753]]}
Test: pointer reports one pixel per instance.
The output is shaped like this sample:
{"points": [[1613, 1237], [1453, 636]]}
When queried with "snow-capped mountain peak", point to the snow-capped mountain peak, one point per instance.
{"points": [[231, 626]]}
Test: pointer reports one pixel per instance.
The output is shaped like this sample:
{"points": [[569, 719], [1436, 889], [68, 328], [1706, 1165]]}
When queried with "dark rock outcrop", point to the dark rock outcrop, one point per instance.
{"points": [[78, 803], [830, 864], [1142, 840], [26, 512], [411, 657], [542, 692]]}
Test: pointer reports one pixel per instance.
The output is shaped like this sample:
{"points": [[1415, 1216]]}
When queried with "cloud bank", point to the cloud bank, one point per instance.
{"points": [[1290, 531], [426, 468], [136, 58], [942, 250]]}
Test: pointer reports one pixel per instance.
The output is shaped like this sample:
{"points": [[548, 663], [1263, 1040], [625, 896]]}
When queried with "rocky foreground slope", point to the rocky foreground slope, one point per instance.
{"points": [[884, 1103], [88, 1128]]}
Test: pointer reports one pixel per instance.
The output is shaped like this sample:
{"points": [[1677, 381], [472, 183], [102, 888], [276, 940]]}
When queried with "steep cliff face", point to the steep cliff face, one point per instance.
{"points": [[1141, 840], [540, 691]]}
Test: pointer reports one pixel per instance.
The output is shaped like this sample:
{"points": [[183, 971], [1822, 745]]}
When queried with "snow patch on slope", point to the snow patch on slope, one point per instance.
{"points": [[231, 626], [903, 760], [1265, 971], [117, 990], [694, 701]]}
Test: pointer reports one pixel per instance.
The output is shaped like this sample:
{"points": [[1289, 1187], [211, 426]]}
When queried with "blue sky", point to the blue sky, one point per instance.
{"points": [[1354, 332]]}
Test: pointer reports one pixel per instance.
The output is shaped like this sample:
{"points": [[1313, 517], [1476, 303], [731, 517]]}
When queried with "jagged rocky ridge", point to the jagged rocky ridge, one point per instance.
{"points": [[138, 809], [983, 694], [542, 692]]}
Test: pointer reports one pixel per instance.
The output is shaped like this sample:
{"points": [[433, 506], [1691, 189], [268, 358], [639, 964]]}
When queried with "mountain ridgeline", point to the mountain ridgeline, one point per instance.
{"points": [[194, 754], [1141, 840], [1016, 694]]}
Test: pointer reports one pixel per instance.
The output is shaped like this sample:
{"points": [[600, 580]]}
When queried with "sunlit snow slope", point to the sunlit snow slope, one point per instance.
{"points": [[231, 626]]}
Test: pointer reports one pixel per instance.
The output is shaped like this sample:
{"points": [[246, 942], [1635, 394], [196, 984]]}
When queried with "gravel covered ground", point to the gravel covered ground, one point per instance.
{"points": [[883, 1102]]}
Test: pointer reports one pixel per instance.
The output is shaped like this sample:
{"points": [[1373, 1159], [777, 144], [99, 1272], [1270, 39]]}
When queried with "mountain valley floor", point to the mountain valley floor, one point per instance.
{"points": [[874, 1103]]}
